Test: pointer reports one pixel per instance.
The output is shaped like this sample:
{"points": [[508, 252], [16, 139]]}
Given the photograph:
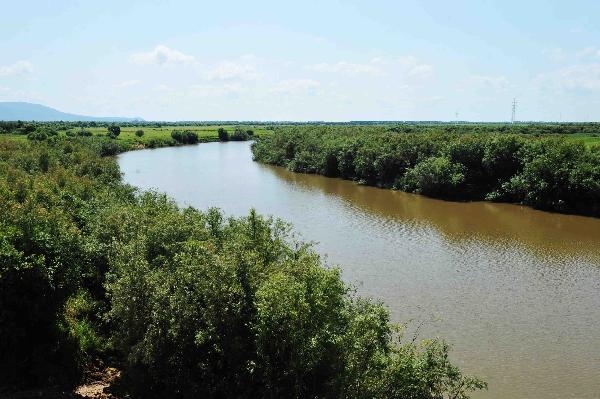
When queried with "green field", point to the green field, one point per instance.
{"points": [[209, 133], [589, 140], [160, 135], [205, 133]]}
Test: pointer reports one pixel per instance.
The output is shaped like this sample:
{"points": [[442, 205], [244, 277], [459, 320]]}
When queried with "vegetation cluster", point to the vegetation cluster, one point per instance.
{"points": [[191, 303], [128, 136], [543, 171]]}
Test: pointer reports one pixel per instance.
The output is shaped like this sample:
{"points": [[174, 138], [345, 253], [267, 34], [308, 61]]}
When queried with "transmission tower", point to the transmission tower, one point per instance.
{"points": [[514, 110]]}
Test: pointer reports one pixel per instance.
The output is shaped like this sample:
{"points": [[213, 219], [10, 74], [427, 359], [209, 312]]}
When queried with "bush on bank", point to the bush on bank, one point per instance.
{"points": [[192, 303], [544, 172]]}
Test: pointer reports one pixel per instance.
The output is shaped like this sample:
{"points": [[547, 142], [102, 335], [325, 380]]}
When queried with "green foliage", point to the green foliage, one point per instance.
{"points": [[193, 304], [37, 135], [85, 133], [236, 308], [433, 176], [223, 134], [185, 136], [239, 134], [139, 133], [545, 172], [108, 148], [46, 189], [114, 131]]}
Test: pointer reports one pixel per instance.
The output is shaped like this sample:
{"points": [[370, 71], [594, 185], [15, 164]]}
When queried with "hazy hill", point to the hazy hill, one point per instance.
{"points": [[12, 111]]}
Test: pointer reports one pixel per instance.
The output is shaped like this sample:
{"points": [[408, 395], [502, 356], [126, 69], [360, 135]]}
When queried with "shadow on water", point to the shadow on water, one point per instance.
{"points": [[541, 232]]}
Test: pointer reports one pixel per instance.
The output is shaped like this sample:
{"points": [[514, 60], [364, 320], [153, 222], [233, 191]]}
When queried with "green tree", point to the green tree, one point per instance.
{"points": [[114, 131], [223, 134]]}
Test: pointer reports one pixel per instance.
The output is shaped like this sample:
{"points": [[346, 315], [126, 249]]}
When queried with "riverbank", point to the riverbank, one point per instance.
{"points": [[542, 171]]}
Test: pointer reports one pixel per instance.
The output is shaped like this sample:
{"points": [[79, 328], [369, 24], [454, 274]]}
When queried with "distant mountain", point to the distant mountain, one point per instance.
{"points": [[13, 111]]}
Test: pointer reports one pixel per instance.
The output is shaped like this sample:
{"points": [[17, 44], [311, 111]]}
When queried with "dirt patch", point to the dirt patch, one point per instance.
{"points": [[97, 382]]}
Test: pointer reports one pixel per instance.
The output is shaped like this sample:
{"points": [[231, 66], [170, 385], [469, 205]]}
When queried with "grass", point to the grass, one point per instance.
{"points": [[589, 140], [205, 133], [209, 133]]}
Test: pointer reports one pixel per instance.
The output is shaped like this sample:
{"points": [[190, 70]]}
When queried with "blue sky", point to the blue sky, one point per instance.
{"points": [[307, 60]]}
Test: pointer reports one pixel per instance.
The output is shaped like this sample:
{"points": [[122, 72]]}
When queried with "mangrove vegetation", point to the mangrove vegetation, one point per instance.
{"points": [[187, 303], [527, 165]]}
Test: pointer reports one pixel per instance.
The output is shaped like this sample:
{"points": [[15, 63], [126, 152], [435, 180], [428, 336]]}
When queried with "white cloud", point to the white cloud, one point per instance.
{"points": [[228, 70], [161, 55], [576, 77], [347, 68], [9, 94], [295, 86], [414, 67], [18, 68], [593, 52]]}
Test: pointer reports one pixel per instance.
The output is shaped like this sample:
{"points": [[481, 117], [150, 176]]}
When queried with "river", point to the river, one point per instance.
{"points": [[515, 291]]}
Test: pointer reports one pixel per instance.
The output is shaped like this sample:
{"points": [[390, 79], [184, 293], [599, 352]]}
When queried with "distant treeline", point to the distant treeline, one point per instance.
{"points": [[591, 128], [545, 172], [187, 303]]}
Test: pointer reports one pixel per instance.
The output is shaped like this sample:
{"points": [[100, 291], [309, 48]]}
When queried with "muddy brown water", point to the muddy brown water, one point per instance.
{"points": [[515, 291]]}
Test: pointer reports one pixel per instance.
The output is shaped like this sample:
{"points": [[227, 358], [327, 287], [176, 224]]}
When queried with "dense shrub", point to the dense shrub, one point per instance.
{"points": [[213, 308], [84, 133], [37, 135], [45, 257], [185, 136], [191, 303], [109, 148], [114, 131], [223, 134], [239, 134], [433, 176], [139, 133], [545, 172], [159, 142]]}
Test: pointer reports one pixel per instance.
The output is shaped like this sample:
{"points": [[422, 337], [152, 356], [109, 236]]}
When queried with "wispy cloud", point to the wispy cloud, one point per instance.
{"points": [[161, 55], [128, 83], [228, 70], [10, 94], [588, 52], [295, 86], [16, 69], [347, 68], [485, 82], [216, 90], [556, 54], [408, 66], [413, 67], [584, 77]]}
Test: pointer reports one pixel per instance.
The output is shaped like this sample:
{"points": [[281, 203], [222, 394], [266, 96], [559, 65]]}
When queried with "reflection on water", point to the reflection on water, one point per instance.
{"points": [[541, 232], [514, 290]]}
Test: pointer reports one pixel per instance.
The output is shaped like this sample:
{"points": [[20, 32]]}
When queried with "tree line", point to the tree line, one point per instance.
{"points": [[546, 172], [188, 303]]}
